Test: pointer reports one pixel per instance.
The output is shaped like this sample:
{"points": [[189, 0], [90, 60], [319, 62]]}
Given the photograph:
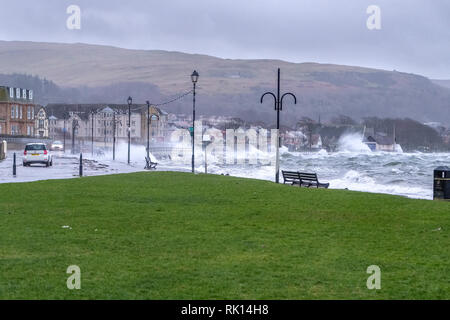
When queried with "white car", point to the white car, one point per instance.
{"points": [[37, 153], [57, 146]]}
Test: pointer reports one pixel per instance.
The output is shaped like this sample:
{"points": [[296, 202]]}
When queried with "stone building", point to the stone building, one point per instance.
{"points": [[41, 124], [17, 112]]}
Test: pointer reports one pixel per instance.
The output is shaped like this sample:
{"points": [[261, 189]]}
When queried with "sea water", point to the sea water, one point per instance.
{"points": [[354, 167]]}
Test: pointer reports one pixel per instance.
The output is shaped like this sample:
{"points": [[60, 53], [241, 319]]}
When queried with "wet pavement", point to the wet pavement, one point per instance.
{"points": [[64, 166]]}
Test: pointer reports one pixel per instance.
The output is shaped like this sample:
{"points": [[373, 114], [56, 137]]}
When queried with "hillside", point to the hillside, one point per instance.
{"points": [[443, 83], [227, 87]]}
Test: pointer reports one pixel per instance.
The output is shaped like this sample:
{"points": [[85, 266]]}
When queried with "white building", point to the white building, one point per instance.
{"points": [[41, 127]]}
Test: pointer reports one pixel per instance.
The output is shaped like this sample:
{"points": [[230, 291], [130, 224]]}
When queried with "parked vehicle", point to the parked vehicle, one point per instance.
{"points": [[37, 153], [57, 146]]}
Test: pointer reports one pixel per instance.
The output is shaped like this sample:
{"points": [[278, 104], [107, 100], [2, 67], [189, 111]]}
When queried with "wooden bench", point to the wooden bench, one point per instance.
{"points": [[303, 179], [149, 165]]}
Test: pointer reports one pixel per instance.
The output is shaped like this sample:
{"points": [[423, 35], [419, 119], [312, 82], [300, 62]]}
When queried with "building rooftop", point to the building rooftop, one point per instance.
{"points": [[10, 94]]}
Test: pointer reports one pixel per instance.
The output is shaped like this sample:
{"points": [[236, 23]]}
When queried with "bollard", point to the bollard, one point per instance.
{"points": [[14, 164], [81, 164]]}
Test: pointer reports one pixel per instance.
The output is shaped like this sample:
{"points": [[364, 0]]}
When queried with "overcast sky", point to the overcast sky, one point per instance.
{"points": [[414, 35]]}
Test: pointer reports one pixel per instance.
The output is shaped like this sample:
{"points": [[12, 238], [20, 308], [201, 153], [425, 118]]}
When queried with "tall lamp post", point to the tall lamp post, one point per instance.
{"points": [[130, 101], [148, 129], [64, 133], [92, 133], [207, 140], [278, 108], [149, 123], [194, 78], [75, 126], [115, 122]]}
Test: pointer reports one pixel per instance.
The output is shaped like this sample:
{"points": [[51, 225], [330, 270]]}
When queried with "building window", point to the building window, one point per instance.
{"points": [[24, 93], [20, 112], [14, 130], [32, 113], [28, 113], [30, 94], [18, 93], [11, 92], [41, 124], [12, 112]]}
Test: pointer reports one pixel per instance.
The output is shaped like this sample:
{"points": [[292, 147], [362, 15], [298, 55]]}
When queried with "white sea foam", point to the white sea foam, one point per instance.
{"points": [[357, 181], [352, 142], [398, 148]]}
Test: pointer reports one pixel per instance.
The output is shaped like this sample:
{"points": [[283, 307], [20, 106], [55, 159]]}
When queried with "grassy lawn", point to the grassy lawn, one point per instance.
{"points": [[177, 236]]}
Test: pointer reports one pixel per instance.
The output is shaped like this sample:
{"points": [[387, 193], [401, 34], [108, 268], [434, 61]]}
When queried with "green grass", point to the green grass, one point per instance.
{"points": [[178, 236]]}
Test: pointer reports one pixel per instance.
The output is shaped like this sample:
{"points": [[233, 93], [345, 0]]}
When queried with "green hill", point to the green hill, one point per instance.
{"points": [[228, 87]]}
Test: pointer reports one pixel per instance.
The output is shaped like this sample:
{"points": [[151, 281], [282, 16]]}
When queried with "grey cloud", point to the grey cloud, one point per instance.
{"points": [[414, 37]]}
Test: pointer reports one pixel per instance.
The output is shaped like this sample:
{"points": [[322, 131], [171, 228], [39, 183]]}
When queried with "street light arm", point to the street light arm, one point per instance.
{"points": [[287, 94], [274, 98]]}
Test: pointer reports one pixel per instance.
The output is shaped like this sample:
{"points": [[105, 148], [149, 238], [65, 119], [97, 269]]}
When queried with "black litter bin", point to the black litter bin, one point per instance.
{"points": [[441, 186]]}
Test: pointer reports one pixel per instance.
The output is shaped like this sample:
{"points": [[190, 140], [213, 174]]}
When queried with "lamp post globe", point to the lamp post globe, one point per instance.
{"points": [[194, 76]]}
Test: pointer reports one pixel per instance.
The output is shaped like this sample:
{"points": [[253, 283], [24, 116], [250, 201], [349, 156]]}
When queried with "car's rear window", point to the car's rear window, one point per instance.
{"points": [[57, 142], [35, 147]]}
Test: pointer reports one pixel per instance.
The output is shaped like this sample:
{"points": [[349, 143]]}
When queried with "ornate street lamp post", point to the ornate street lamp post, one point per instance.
{"points": [[149, 123], [130, 101], [75, 126], [278, 108], [92, 132], [148, 129], [115, 122], [194, 78]]}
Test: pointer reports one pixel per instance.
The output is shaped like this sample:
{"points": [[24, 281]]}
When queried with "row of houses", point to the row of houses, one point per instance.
{"points": [[104, 122], [20, 116]]}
